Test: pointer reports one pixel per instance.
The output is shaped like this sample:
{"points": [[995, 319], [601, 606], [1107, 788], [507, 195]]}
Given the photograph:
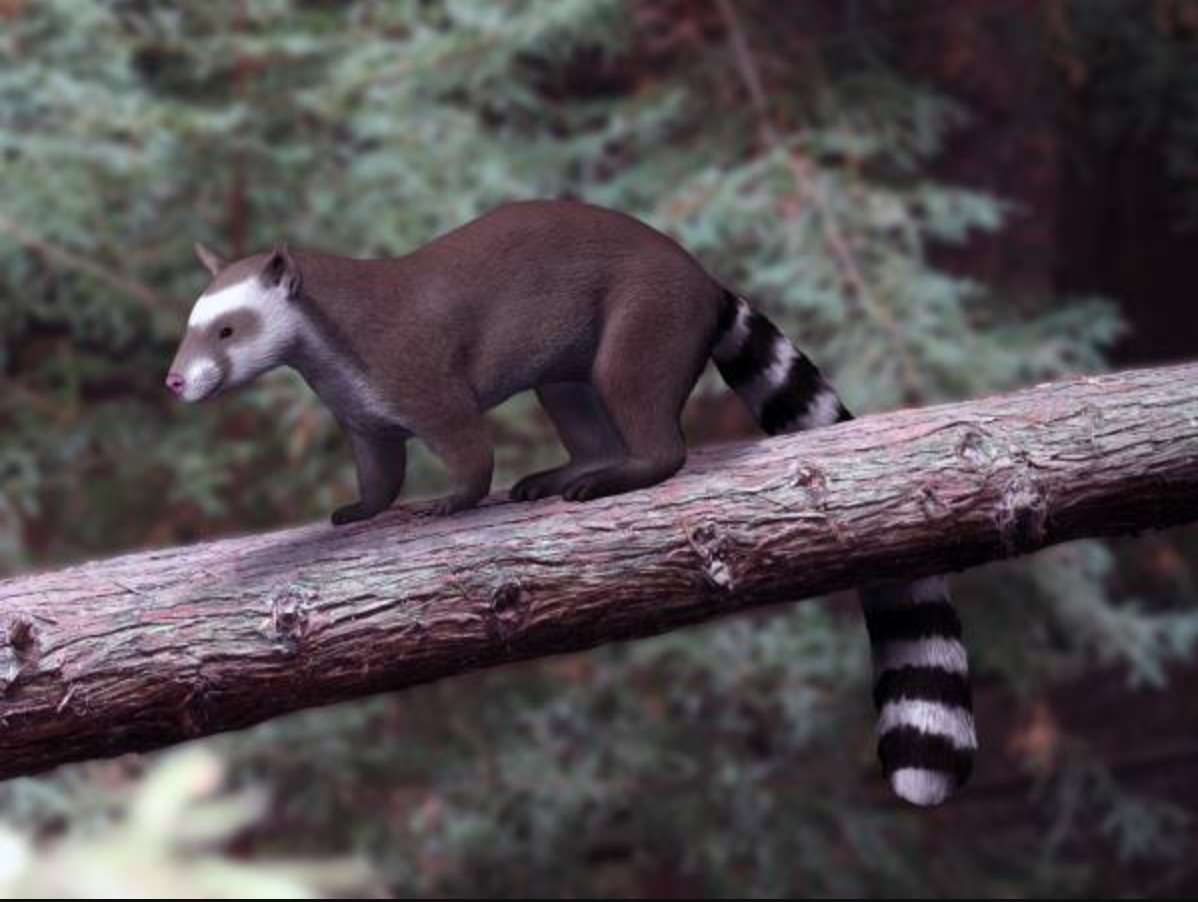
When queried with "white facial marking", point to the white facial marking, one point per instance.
{"points": [[279, 324], [202, 376], [246, 294]]}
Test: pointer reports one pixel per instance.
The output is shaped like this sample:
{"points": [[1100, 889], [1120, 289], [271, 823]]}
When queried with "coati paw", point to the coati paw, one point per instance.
{"points": [[537, 486], [352, 513], [584, 488], [451, 504]]}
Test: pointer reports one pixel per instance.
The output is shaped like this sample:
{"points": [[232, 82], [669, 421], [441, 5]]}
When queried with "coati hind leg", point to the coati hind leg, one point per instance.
{"points": [[647, 364], [656, 452], [381, 463], [586, 431]]}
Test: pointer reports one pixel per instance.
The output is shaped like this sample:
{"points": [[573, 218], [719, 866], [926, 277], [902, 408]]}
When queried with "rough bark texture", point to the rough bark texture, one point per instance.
{"points": [[153, 648]]}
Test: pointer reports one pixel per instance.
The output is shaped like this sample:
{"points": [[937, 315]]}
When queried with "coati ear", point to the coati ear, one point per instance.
{"points": [[213, 262], [281, 269]]}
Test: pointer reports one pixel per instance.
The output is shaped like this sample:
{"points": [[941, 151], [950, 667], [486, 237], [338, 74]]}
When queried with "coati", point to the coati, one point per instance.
{"points": [[611, 323]]}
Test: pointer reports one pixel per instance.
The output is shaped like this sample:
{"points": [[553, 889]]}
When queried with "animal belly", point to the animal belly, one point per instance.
{"points": [[534, 361]]}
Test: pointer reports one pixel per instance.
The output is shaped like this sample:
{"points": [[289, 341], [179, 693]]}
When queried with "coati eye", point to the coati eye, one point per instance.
{"points": [[226, 332]]}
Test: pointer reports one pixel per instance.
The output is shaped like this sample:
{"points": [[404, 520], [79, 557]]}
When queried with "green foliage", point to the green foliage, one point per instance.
{"points": [[732, 760], [1145, 642]]}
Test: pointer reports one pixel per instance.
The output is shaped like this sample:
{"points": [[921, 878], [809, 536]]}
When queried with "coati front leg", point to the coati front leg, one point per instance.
{"points": [[464, 445], [585, 430], [382, 462]]}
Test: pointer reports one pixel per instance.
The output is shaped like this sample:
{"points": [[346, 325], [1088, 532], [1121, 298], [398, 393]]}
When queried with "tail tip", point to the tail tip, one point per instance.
{"points": [[923, 787]]}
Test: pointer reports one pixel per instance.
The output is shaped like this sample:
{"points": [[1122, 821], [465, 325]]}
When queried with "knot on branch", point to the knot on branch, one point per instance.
{"points": [[813, 482], [713, 548], [1022, 513], [289, 613], [21, 636], [933, 506], [506, 610], [1095, 420], [21, 639], [976, 449], [195, 711]]}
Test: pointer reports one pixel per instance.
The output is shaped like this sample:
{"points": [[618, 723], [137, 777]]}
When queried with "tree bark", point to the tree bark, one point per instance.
{"points": [[152, 648]]}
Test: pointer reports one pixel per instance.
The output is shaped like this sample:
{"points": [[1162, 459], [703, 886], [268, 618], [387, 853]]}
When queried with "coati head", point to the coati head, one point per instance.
{"points": [[244, 324]]}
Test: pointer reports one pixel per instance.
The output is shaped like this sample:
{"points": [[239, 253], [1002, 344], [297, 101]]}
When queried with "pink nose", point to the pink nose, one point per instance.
{"points": [[175, 383]]}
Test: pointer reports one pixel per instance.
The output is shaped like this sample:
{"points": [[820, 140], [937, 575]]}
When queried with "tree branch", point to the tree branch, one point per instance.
{"points": [[71, 260], [153, 648]]}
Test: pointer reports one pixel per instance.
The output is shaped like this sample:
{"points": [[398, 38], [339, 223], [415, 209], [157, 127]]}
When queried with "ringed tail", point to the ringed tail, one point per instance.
{"points": [[925, 728]]}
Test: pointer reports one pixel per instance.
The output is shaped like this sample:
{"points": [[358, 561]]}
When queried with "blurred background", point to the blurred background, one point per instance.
{"points": [[937, 199]]}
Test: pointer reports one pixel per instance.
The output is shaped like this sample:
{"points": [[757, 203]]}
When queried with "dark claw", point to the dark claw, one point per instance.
{"points": [[351, 513], [531, 488], [581, 489], [451, 504]]}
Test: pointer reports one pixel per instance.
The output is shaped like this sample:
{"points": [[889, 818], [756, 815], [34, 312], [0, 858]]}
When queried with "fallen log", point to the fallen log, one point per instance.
{"points": [[152, 648]]}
